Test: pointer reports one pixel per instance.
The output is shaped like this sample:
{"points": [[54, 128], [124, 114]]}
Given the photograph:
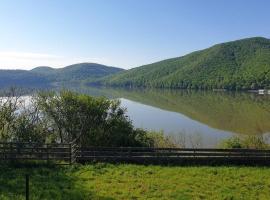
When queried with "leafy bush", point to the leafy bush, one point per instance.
{"points": [[66, 116], [231, 143], [19, 120], [249, 142], [96, 121], [159, 140]]}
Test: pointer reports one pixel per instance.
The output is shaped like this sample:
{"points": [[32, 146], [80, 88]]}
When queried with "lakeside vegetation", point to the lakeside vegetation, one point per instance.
{"points": [[238, 65], [51, 117], [108, 182], [249, 142]]}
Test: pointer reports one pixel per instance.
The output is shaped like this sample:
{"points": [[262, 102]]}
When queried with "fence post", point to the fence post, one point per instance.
{"points": [[48, 156], [27, 186], [70, 153], [10, 151]]}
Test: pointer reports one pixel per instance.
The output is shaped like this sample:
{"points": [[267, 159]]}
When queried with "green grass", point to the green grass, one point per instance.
{"points": [[106, 181]]}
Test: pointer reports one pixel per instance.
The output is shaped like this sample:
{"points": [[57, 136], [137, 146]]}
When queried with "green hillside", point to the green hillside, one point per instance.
{"points": [[77, 72], [241, 64], [43, 70], [46, 76]]}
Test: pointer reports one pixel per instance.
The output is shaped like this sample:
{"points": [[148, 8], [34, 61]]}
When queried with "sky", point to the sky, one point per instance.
{"points": [[121, 33]]}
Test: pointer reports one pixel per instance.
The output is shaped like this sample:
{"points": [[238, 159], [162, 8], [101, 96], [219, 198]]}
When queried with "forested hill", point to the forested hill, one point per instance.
{"points": [[46, 76], [241, 64], [76, 72]]}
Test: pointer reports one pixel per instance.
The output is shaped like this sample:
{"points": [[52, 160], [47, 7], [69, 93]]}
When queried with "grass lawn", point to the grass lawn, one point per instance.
{"points": [[107, 181]]}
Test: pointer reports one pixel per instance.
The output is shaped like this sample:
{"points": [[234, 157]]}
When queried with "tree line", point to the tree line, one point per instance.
{"points": [[238, 65]]}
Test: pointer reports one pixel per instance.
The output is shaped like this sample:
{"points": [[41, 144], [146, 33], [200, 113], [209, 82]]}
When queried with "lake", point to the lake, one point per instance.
{"points": [[203, 118]]}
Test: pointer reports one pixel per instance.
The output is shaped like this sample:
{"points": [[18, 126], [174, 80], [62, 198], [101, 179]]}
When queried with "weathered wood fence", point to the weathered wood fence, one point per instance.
{"points": [[57, 153], [72, 152], [174, 155]]}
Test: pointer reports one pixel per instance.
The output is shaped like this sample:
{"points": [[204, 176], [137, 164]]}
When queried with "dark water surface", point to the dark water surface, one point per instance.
{"points": [[203, 117]]}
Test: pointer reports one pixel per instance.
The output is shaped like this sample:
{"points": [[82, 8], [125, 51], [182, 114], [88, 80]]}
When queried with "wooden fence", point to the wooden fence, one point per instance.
{"points": [[56, 153], [71, 152], [174, 155]]}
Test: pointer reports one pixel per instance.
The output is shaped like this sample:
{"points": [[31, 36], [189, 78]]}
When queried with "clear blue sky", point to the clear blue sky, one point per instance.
{"points": [[123, 33]]}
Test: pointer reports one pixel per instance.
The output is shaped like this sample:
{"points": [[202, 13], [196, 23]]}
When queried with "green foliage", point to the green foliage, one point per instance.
{"points": [[20, 122], [107, 182], [232, 143], [159, 140], [238, 65], [96, 121], [248, 142], [66, 116]]}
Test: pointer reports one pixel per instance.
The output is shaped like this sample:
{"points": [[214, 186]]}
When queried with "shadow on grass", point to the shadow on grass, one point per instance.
{"points": [[191, 161], [45, 183]]}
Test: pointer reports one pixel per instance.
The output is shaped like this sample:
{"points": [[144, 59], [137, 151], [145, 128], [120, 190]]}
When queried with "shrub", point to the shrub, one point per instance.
{"points": [[159, 140], [66, 116], [248, 142], [231, 143]]}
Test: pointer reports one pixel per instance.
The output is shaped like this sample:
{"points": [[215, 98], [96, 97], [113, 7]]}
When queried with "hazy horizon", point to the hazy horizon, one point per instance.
{"points": [[121, 33]]}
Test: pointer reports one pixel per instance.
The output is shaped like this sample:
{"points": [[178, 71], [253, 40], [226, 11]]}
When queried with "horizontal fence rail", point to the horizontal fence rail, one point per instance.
{"points": [[35, 152], [173, 155], [71, 152]]}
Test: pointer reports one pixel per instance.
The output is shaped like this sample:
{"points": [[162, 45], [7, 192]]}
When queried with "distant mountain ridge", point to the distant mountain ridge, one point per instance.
{"points": [[43, 69], [45, 76], [240, 64]]}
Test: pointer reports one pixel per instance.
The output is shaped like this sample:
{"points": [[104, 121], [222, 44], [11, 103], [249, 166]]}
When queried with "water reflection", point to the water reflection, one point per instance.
{"points": [[242, 113], [174, 124]]}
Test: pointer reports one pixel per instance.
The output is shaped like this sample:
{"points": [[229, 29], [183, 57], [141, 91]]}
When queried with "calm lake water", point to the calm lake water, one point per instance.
{"points": [[200, 117]]}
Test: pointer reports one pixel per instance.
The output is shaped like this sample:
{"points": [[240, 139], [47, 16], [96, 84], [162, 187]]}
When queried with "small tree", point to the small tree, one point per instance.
{"points": [[96, 121]]}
